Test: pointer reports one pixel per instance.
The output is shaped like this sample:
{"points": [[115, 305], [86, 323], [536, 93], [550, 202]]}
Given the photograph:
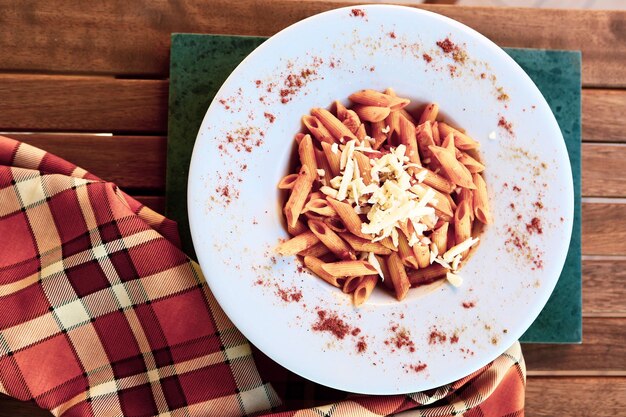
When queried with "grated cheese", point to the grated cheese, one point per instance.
{"points": [[454, 279], [371, 258], [334, 148], [459, 249], [321, 172], [492, 135]]}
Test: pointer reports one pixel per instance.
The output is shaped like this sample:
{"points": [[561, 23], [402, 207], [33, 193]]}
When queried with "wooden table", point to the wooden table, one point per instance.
{"points": [[103, 68]]}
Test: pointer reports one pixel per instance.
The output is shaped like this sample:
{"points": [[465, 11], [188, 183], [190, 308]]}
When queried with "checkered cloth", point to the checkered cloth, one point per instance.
{"points": [[101, 314]]}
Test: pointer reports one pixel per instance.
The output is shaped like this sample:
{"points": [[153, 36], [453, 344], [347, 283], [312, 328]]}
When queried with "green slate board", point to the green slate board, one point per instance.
{"points": [[199, 64]]}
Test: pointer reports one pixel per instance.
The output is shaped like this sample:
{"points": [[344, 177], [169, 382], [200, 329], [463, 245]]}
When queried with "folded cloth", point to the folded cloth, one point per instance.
{"points": [[101, 314]]}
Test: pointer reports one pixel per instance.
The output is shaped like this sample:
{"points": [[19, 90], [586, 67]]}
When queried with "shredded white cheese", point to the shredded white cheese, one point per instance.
{"points": [[371, 258], [459, 249], [321, 172], [385, 129], [334, 148], [492, 135], [454, 279]]}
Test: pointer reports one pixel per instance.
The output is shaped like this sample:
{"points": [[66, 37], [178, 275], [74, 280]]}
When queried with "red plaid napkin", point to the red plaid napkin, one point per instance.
{"points": [[101, 314]]}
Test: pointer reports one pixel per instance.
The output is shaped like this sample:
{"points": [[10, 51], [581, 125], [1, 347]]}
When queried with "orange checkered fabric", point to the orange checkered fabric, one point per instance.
{"points": [[102, 314]]}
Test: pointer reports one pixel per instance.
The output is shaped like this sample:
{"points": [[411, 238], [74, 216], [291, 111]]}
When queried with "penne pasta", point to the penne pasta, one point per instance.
{"points": [[317, 250], [337, 129], [363, 291], [375, 98], [371, 113], [461, 140], [427, 275], [365, 245], [299, 192], [429, 114], [287, 182], [349, 217], [349, 268], [307, 154], [398, 276], [315, 265], [297, 244], [462, 223], [318, 130], [481, 201], [331, 239], [383, 194]]}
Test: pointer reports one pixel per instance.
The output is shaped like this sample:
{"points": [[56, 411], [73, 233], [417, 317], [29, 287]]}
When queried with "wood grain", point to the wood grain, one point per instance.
{"points": [[604, 228], [122, 37], [10, 407], [602, 350], [79, 104], [603, 172], [132, 162], [602, 115], [580, 397], [604, 287]]}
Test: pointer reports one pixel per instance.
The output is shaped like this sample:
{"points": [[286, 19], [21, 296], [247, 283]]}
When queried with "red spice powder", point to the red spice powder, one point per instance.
{"points": [[258, 83], [469, 304], [289, 295], [361, 346], [419, 367], [436, 337], [401, 338], [539, 204], [427, 58], [330, 322], [223, 103], [512, 205], [534, 226], [483, 75], [392, 35], [503, 123], [454, 339], [516, 188], [357, 13], [452, 71], [296, 80], [270, 117], [355, 331], [446, 45]]}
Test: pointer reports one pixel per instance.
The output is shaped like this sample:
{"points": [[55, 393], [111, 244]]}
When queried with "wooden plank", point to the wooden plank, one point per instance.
{"points": [[10, 407], [581, 397], [132, 162], [121, 37], [78, 104], [604, 287], [604, 228], [603, 115], [156, 203], [603, 170], [602, 350]]}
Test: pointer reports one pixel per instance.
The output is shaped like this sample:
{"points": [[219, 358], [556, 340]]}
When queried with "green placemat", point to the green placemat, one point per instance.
{"points": [[199, 64]]}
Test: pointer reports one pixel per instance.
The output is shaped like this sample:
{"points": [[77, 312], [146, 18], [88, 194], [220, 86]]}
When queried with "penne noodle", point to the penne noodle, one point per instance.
{"points": [[392, 122], [438, 182], [322, 163], [336, 128], [422, 255], [349, 217], [287, 182], [297, 244], [429, 114], [315, 265], [407, 138], [333, 158], [307, 154], [340, 110], [388, 243], [470, 163], [461, 140], [467, 195], [375, 98], [298, 137], [371, 113], [350, 284], [408, 116], [398, 276], [335, 224], [331, 239], [440, 237], [455, 170], [364, 245], [349, 268], [317, 250], [406, 253], [424, 135], [382, 262], [297, 229], [352, 121], [427, 275], [363, 291], [361, 133], [481, 200], [451, 235], [439, 202], [300, 191], [319, 206], [462, 223], [318, 130], [436, 136], [364, 166], [377, 133]]}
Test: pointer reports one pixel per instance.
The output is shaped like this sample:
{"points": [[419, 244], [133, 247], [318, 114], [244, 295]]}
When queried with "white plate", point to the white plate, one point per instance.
{"points": [[236, 219]]}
